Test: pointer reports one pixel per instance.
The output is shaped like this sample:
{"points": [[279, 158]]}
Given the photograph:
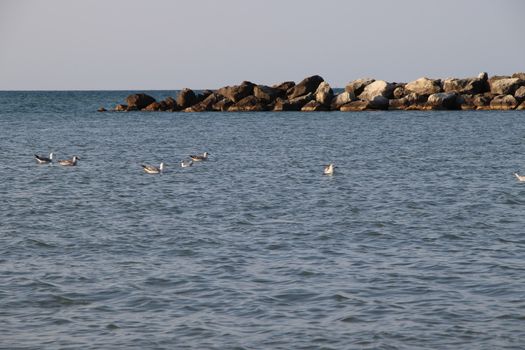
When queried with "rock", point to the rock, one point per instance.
{"points": [[139, 100], [267, 93], [377, 88], [102, 109], [482, 100], [503, 102], [357, 86], [206, 104], [249, 104], [285, 86], [237, 92], [170, 104], [121, 108], [465, 86], [442, 100], [132, 108], [483, 76], [399, 92], [186, 98], [520, 94], [324, 94], [355, 106], [342, 99], [521, 107], [152, 107], [519, 75], [203, 95], [378, 102], [398, 103], [424, 86], [222, 105], [313, 106], [294, 104], [505, 86], [306, 86], [465, 102]]}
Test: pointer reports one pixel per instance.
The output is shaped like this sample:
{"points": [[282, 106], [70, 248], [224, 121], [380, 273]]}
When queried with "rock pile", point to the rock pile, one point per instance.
{"points": [[315, 94]]}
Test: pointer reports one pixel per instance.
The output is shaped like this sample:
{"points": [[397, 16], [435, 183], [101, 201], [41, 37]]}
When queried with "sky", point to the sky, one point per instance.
{"points": [[172, 44]]}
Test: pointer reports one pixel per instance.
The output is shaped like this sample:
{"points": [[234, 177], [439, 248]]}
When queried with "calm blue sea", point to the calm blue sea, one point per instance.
{"points": [[417, 241]]}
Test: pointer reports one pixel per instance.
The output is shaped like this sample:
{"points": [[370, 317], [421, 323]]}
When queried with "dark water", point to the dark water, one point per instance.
{"points": [[417, 242]]}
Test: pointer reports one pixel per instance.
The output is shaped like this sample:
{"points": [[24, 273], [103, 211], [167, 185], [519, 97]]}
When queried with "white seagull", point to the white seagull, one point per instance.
{"points": [[329, 169], [199, 157], [44, 160], [521, 178], [69, 162], [186, 163], [150, 169]]}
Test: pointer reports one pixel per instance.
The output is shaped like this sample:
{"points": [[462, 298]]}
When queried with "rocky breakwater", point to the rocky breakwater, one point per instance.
{"points": [[315, 94]]}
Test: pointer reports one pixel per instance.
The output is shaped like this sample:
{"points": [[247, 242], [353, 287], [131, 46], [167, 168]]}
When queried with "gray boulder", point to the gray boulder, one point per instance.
{"points": [[465, 86], [306, 86], [342, 99], [424, 86], [505, 86], [267, 93], [324, 94], [503, 102], [520, 94], [377, 88], [442, 100], [294, 104], [357, 86]]}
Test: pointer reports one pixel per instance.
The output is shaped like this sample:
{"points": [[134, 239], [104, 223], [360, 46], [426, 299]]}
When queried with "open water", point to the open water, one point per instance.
{"points": [[417, 241]]}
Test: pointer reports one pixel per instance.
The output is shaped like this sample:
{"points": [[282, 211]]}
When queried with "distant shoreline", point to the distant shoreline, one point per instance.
{"points": [[315, 94]]}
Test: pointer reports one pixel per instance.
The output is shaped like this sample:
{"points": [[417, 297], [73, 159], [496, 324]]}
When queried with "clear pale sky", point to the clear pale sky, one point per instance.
{"points": [[170, 44]]}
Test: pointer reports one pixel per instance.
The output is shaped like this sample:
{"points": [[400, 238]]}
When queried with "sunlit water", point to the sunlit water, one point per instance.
{"points": [[417, 241]]}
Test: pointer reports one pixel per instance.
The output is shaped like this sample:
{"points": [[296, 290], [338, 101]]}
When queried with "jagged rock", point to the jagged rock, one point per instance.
{"points": [[377, 88], [503, 102], [169, 103], [483, 76], [267, 93], [482, 101], [186, 98], [520, 94], [284, 86], [505, 86], [357, 86], [152, 107], [203, 95], [294, 104], [237, 92], [398, 103], [121, 108], [442, 100], [424, 86], [519, 75], [249, 104], [306, 86], [465, 102], [324, 94], [465, 86], [399, 92], [521, 107], [313, 106], [222, 105], [355, 106], [102, 109], [206, 104], [342, 99], [139, 100]]}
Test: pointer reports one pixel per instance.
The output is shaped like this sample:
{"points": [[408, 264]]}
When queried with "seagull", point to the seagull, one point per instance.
{"points": [[521, 178], [199, 157], [150, 169], [44, 160], [186, 163], [329, 169], [69, 162]]}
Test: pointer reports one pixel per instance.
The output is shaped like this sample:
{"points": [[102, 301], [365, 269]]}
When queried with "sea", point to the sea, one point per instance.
{"points": [[416, 242]]}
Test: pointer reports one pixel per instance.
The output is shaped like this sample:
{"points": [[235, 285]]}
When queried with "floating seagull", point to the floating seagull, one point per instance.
{"points": [[521, 178], [69, 162], [44, 160], [329, 169], [186, 163], [150, 169], [199, 157]]}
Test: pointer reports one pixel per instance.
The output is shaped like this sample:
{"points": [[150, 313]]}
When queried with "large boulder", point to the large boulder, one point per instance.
{"points": [[378, 102], [237, 92], [152, 107], [521, 107], [442, 100], [399, 91], [503, 102], [294, 104], [505, 86], [324, 94], [170, 104], [398, 103], [357, 86], [424, 86], [465, 86], [313, 106], [249, 104], [222, 105], [284, 86], [186, 98], [306, 86], [342, 99], [519, 75], [355, 106], [206, 104], [139, 100], [267, 93], [520, 94], [377, 88]]}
